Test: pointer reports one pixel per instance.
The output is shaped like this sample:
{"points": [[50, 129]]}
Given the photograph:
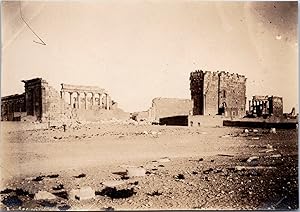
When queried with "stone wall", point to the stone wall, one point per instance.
{"points": [[54, 106], [197, 91], [232, 94], [276, 106], [211, 89], [142, 116], [43, 103], [167, 107], [34, 94], [205, 121], [13, 107]]}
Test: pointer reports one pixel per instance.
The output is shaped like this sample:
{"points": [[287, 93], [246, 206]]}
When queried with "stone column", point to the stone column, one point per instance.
{"points": [[100, 100], [204, 104], [85, 100], [107, 101], [93, 99], [249, 106], [62, 95], [71, 99], [78, 100]]}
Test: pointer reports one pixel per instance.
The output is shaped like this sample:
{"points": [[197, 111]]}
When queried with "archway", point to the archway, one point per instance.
{"points": [[222, 108]]}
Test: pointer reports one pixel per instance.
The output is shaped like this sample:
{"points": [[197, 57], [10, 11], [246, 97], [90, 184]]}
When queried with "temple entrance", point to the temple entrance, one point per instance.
{"points": [[222, 108]]}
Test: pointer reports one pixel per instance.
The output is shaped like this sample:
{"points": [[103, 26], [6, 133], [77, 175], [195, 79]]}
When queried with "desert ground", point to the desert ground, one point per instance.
{"points": [[178, 167]]}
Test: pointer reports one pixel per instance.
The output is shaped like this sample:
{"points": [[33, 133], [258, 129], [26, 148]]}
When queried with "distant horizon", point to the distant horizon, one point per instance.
{"points": [[139, 50]]}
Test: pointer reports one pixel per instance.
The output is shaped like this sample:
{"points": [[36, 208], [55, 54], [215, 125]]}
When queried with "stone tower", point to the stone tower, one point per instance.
{"points": [[218, 93]]}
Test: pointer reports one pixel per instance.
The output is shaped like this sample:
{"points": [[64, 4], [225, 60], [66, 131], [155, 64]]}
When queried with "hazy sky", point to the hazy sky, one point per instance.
{"points": [[139, 50]]}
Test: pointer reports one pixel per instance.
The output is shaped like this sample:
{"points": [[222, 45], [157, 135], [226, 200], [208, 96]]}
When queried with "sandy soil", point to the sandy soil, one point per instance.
{"points": [[204, 171]]}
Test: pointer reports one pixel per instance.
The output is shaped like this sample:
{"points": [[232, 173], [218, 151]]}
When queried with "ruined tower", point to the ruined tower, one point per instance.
{"points": [[218, 93]]}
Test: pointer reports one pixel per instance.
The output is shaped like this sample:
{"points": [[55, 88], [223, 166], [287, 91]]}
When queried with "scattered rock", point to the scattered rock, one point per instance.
{"points": [[136, 172], [64, 207], [154, 133], [21, 192], [273, 130], [180, 177], [80, 176], [124, 177], [275, 156], [252, 159], [112, 183], [225, 155], [255, 138], [240, 168], [107, 209], [62, 194], [208, 171], [42, 195], [12, 201], [39, 178], [164, 160], [121, 173], [85, 193], [116, 194], [194, 173], [48, 204], [53, 176], [135, 183], [59, 187], [255, 130], [7, 191], [266, 150], [73, 193], [246, 130], [155, 193]]}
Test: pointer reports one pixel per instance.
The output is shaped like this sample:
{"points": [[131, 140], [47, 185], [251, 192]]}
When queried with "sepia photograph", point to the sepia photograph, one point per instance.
{"points": [[149, 105]]}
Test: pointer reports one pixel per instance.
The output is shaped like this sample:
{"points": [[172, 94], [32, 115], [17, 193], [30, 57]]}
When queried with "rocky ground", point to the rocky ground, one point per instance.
{"points": [[128, 166]]}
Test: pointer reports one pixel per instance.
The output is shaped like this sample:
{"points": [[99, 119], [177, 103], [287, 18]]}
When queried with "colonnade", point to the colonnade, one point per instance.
{"points": [[103, 100], [259, 106]]}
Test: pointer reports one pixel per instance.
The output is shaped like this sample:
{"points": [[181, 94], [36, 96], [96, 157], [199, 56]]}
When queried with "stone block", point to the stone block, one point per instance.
{"points": [[42, 195], [83, 193], [136, 172]]}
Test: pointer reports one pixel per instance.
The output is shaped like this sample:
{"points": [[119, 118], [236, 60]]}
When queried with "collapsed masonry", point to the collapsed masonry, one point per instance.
{"points": [[41, 102]]}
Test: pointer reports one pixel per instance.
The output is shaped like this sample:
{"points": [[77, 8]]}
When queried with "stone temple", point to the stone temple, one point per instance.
{"points": [[41, 102]]}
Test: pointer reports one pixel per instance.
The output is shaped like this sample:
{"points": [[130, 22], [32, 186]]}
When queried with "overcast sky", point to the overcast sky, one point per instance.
{"points": [[139, 50]]}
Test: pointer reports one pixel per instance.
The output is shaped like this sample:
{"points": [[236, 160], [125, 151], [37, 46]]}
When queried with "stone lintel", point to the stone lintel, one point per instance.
{"points": [[82, 89]]}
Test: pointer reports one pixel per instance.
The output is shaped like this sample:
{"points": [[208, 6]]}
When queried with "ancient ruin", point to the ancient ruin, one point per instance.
{"points": [[41, 102], [165, 107], [218, 93], [266, 106]]}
